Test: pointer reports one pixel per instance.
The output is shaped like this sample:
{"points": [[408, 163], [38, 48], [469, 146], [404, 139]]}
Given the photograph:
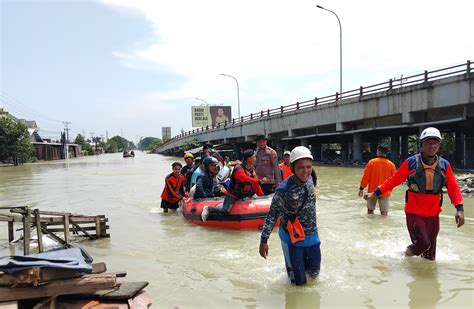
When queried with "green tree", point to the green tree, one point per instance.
{"points": [[145, 143], [15, 143], [121, 142], [85, 146]]}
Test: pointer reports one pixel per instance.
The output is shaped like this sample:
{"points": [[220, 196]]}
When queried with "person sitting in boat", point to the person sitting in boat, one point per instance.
{"points": [[189, 174], [243, 183], [173, 191], [132, 153], [208, 151], [205, 182]]}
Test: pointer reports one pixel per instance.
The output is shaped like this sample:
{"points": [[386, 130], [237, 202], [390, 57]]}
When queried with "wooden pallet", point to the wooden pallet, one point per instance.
{"points": [[51, 223]]}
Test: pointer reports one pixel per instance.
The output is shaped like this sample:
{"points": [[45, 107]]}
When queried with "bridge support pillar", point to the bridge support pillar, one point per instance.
{"points": [[395, 149], [345, 151], [404, 146], [316, 151], [469, 151], [373, 147], [278, 148], [460, 149], [304, 142], [357, 147]]}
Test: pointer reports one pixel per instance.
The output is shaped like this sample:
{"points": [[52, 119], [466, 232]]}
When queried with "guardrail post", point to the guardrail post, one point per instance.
{"points": [[251, 116], [233, 120], [426, 76], [281, 108], [261, 113], [268, 112], [225, 122], [242, 119], [468, 66], [361, 91], [337, 96], [390, 83], [297, 105], [207, 127], [315, 101]]}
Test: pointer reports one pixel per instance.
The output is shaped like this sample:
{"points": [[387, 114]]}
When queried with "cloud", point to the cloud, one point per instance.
{"points": [[268, 45]]}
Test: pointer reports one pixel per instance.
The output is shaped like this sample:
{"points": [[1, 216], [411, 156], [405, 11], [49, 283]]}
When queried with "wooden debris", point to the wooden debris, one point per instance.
{"points": [[85, 284], [50, 223], [36, 276]]}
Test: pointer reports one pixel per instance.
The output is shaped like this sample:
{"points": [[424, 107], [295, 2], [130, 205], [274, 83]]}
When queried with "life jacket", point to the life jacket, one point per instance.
{"points": [[427, 179], [238, 188]]}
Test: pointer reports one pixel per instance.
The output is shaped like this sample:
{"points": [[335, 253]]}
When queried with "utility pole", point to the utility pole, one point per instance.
{"points": [[66, 123]]}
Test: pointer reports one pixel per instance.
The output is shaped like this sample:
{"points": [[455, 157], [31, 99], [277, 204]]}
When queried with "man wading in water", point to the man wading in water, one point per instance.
{"points": [[426, 174], [295, 204]]}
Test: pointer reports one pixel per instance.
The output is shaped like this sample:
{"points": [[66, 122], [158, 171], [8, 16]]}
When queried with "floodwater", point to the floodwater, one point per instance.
{"points": [[189, 266]]}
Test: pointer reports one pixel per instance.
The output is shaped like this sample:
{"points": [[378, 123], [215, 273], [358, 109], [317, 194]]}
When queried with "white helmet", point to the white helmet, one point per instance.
{"points": [[300, 152], [430, 133]]}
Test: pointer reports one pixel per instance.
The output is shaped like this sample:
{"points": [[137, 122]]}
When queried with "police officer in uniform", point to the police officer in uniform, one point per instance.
{"points": [[266, 167]]}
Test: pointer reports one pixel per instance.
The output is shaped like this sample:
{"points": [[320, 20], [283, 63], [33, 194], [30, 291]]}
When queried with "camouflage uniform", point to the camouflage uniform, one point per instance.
{"points": [[302, 257], [283, 206]]}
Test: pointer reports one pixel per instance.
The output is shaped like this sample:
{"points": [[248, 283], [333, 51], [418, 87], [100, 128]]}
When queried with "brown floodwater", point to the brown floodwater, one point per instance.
{"points": [[189, 266]]}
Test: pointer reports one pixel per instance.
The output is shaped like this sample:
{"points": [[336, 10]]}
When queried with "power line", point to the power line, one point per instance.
{"points": [[10, 100]]}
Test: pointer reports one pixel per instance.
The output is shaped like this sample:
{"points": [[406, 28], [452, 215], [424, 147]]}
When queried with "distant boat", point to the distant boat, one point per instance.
{"points": [[127, 154]]}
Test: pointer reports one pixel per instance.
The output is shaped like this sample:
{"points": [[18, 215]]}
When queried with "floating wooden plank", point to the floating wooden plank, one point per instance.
{"points": [[25, 276], [84, 284], [36, 275], [126, 291]]}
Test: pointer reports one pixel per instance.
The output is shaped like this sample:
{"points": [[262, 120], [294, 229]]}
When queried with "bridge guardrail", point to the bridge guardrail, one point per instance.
{"points": [[393, 83]]}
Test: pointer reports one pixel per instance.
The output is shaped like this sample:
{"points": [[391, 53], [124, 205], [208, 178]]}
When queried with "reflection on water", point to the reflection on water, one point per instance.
{"points": [[425, 289], [189, 266]]}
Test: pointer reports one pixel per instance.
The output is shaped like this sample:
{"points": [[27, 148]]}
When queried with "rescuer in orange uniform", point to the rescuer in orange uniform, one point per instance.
{"points": [[285, 166], [376, 172], [173, 191], [426, 174]]}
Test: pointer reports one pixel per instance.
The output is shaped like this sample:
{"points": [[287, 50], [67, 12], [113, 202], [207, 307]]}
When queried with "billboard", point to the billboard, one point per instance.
{"points": [[200, 116], [220, 114]]}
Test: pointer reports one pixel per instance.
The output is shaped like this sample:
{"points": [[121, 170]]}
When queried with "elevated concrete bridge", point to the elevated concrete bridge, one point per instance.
{"points": [[359, 119]]}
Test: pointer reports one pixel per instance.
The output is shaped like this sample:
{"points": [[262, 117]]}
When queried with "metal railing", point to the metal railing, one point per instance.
{"points": [[393, 83]]}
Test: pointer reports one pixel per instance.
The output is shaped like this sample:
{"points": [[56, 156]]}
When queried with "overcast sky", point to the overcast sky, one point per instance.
{"points": [[130, 67]]}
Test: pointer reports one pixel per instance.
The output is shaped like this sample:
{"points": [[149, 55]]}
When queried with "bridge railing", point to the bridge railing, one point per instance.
{"points": [[393, 83]]}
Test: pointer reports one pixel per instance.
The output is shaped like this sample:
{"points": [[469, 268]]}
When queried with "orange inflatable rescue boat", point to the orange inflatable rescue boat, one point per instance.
{"points": [[245, 214]]}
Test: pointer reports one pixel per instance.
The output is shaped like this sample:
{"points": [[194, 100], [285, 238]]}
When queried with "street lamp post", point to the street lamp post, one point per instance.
{"points": [[238, 94], [202, 100], [340, 49]]}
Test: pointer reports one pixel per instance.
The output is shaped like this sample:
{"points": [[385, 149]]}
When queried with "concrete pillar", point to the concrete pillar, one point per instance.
{"points": [[395, 149], [278, 148], [304, 142], [345, 151], [316, 150], [404, 147], [459, 152], [357, 147], [373, 148], [469, 151]]}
